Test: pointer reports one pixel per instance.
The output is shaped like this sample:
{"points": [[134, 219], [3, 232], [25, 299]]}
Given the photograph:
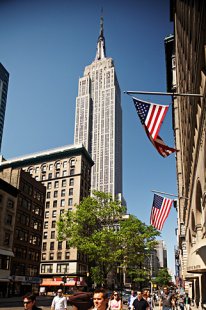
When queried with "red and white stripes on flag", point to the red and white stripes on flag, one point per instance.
{"points": [[154, 119], [160, 210], [151, 116]]}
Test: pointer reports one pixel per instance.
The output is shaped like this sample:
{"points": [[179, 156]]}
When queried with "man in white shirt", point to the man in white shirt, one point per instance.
{"points": [[131, 299], [59, 302]]}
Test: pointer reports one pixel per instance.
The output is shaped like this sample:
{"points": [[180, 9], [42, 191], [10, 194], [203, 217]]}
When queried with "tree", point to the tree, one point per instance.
{"points": [[98, 229], [163, 277], [138, 240]]}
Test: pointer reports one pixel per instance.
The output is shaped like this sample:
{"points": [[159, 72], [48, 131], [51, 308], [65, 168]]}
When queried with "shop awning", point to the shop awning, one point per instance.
{"points": [[6, 253], [57, 283]]}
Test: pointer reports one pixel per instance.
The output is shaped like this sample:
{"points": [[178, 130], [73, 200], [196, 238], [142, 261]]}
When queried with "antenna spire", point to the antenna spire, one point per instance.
{"points": [[101, 49]]}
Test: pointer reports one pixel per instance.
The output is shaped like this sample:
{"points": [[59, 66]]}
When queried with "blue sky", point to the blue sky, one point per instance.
{"points": [[45, 46]]}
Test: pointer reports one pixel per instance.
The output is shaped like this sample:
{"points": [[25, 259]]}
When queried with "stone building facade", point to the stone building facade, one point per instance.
{"points": [[66, 174], [186, 55]]}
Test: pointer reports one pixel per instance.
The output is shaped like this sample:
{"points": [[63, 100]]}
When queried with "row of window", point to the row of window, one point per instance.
{"points": [[61, 203], [63, 183], [58, 256], [56, 175], [21, 252], [28, 189], [63, 193], [60, 268], [51, 245], [54, 213], [50, 167], [9, 204]]}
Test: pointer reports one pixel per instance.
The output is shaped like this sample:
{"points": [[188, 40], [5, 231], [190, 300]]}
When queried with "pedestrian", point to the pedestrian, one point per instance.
{"points": [[100, 299], [59, 302], [166, 299], [115, 302], [181, 302], [81, 300], [131, 299], [149, 299], [29, 301], [187, 302], [140, 303]]}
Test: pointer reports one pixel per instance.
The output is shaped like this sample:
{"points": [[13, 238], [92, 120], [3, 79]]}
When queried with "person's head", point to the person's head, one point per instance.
{"points": [[115, 295], [132, 293], [81, 300], [29, 301], [60, 292], [139, 295], [100, 299], [144, 294], [166, 290]]}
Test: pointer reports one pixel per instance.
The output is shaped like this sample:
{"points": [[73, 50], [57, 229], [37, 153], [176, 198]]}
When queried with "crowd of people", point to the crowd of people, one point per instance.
{"points": [[99, 300]]}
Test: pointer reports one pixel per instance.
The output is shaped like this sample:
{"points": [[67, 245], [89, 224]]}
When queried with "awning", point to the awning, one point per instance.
{"points": [[57, 283], [4, 280], [6, 253], [197, 258]]}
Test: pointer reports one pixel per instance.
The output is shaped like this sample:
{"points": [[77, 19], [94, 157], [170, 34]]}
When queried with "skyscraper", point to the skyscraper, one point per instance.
{"points": [[98, 122], [4, 80]]}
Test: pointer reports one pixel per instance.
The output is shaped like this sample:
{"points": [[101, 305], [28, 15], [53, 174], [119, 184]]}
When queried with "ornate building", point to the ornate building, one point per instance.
{"points": [[186, 61], [98, 123]]}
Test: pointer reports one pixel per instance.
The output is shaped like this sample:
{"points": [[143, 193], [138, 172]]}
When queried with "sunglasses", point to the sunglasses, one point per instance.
{"points": [[26, 302]]}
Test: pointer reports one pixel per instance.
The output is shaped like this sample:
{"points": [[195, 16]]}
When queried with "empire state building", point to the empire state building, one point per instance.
{"points": [[98, 120]]}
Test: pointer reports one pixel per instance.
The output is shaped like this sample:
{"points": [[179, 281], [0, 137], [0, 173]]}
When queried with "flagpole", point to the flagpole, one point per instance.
{"points": [[162, 93], [168, 194]]}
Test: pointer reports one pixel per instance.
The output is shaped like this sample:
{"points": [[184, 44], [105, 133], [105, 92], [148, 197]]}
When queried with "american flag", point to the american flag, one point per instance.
{"points": [[151, 115], [160, 210]]}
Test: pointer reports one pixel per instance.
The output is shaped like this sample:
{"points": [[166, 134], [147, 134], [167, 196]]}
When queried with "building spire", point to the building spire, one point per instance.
{"points": [[101, 49]]}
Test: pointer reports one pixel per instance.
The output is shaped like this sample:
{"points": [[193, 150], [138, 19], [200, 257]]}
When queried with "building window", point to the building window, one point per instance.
{"points": [[52, 234], [72, 163], [46, 214], [61, 212], [46, 224], [8, 219], [67, 255], [43, 177], [52, 245], [55, 194], [64, 164], [59, 255], [64, 183], [49, 185], [48, 195], [50, 176], [57, 174], [43, 169], [37, 169], [54, 203], [70, 202], [53, 224], [10, 204], [63, 192], [51, 256], [71, 182], [47, 204], [45, 235], [54, 213], [62, 203], [50, 167], [71, 191], [43, 257], [64, 173], [72, 171], [44, 246], [56, 184], [47, 268], [62, 268], [60, 245], [7, 236], [58, 165]]}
